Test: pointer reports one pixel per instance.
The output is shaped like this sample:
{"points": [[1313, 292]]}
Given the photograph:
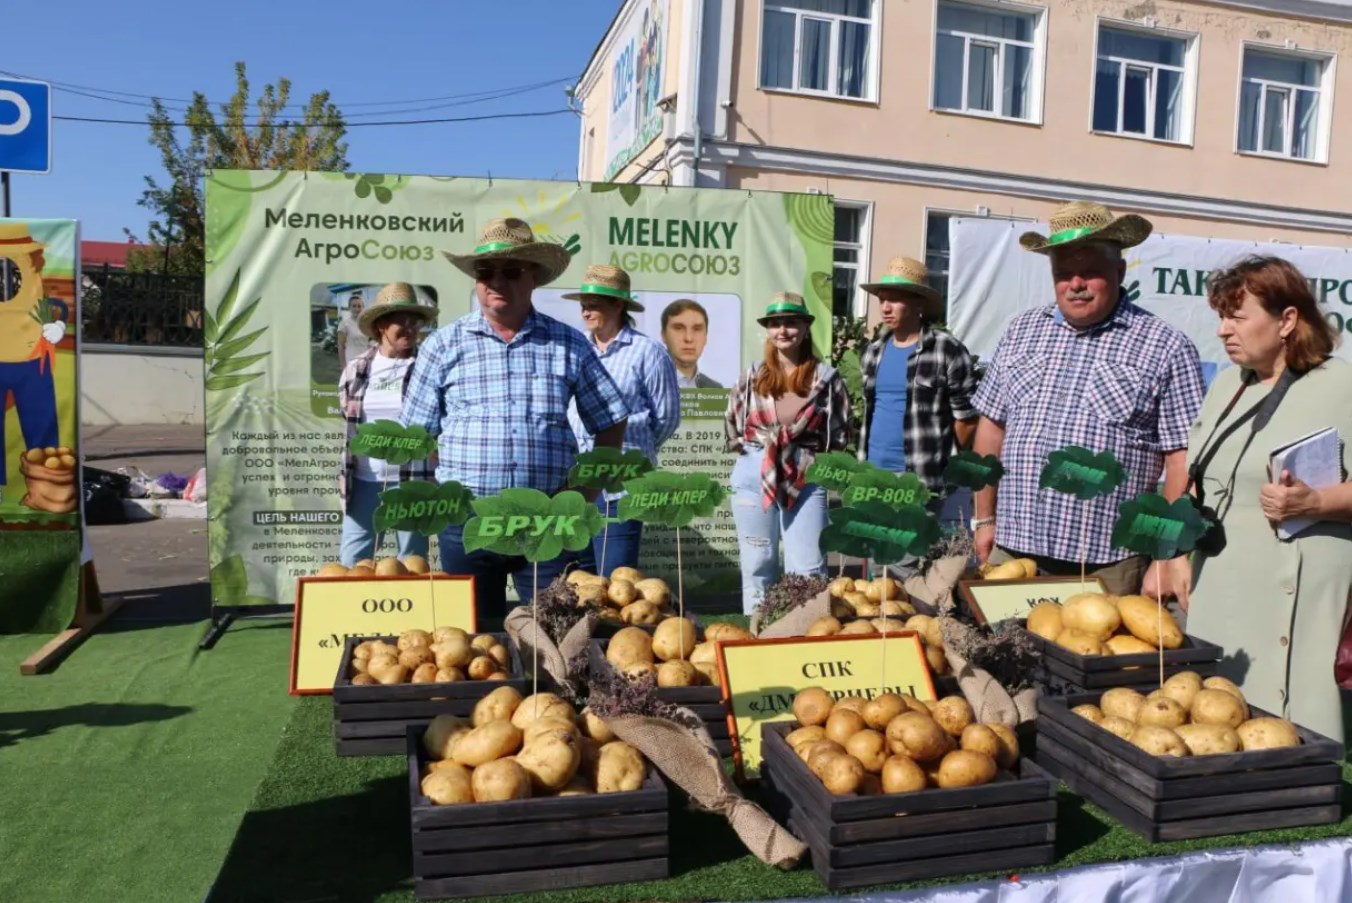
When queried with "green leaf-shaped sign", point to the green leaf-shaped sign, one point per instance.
{"points": [[607, 469], [878, 485], [972, 471], [879, 531], [833, 470], [672, 499], [528, 523], [390, 441], [426, 508], [1079, 472], [1151, 526]]}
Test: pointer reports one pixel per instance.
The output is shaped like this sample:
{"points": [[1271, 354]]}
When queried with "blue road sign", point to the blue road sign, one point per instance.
{"points": [[25, 126]]}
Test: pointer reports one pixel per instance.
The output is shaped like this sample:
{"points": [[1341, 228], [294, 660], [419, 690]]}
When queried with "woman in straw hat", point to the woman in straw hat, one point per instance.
{"points": [[372, 388], [647, 379], [785, 411]]}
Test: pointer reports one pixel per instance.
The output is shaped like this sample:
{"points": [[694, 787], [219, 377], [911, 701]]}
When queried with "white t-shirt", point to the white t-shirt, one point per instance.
{"points": [[353, 339], [384, 401]]}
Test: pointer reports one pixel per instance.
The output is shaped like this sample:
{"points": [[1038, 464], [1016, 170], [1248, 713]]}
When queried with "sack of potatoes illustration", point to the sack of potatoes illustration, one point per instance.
{"points": [[52, 479]]}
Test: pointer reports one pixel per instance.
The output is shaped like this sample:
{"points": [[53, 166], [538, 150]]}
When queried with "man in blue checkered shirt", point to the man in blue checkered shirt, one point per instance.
{"points": [[495, 387], [1092, 370]]}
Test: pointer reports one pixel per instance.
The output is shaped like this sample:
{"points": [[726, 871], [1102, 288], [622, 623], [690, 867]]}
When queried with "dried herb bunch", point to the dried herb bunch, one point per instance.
{"points": [[1007, 653], [953, 542], [612, 694], [557, 608], [789, 593]]}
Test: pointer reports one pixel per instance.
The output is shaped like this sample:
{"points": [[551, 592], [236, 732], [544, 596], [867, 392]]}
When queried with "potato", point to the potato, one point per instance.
{"points": [[500, 655], [1045, 620], [918, 736], [482, 643], [641, 612], [966, 768], [856, 600], [894, 609], [500, 780], [1182, 688], [1218, 707], [455, 652], [1123, 702], [416, 564], [860, 585], [417, 655], [579, 577], [1125, 644], [980, 738], [902, 775], [840, 586], [915, 705], [805, 736], [674, 638], [1008, 756], [953, 714], [620, 768], [1009, 570], [390, 567], [580, 785], [814, 751], [870, 748], [499, 675], [709, 674], [1158, 741], [882, 709], [481, 667], [841, 610], [361, 571], [858, 628], [677, 673], [938, 661], [442, 634], [564, 727], [410, 639], [541, 705], [853, 703], [621, 593], [398, 674], [1091, 712], [332, 569], [445, 787], [487, 742], [424, 674], [841, 774], [631, 575], [628, 646], [1225, 685], [1208, 739], [1267, 733], [1141, 615], [1029, 567], [869, 785], [590, 751], [449, 675], [594, 726], [380, 647], [552, 760], [654, 591], [842, 724], [934, 633], [1091, 614], [590, 594], [868, 610], [442, 733], [889, 626], [704, 654], [1119, 726], [824, 626], [920, 624], [498, 705], [1161, 710], [726, 633], [364, 680], [885, 588], [812, 706], [362, 651]]}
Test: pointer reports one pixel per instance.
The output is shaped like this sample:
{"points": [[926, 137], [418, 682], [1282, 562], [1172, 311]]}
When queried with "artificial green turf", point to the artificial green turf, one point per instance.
{"points": [[323, 827], [125, 772], [39, 580]]}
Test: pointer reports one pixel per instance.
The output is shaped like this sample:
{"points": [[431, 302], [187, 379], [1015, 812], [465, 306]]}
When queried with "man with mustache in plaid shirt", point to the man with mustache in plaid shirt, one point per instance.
{"points": [[1092, 370]]}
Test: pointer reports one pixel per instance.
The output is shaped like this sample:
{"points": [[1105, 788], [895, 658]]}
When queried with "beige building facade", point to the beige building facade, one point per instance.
{"points": [[1223, 119]]}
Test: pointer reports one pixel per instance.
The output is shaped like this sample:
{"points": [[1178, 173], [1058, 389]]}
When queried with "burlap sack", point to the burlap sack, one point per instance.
{"points": [[687, 757], [558, 661], [49, 489], [989, 700], [796, 622], [935, 586]]}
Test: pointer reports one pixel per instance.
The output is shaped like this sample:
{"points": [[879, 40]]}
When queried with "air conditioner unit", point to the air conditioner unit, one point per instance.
{"points": [[983, 211]]}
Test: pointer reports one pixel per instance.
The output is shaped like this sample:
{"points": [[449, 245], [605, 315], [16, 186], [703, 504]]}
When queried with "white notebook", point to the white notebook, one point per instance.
{"points": [[1315, 460]]}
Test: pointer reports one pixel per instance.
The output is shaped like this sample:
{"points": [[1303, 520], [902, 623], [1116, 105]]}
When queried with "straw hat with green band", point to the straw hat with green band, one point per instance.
{"points": [[908, 275], [395, 298], [786, 305], [605, 281], [513, 239], [1081, 222]]}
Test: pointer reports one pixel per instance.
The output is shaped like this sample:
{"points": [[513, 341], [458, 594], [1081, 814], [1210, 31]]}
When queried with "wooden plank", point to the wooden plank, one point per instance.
{"points": [[91, 611], [1193, 651], [541, 879], [530, 855], [1097, 757], [411, 710], [369, 730], [487, 836], [387, 747], [1140, 678], [941, 822], [913, 848]]}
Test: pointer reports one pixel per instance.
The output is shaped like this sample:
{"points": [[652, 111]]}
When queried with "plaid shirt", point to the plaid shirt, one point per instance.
{"points": [[500, 409], [940, 380], [351, 395], [822, 425], [1131, 385]]}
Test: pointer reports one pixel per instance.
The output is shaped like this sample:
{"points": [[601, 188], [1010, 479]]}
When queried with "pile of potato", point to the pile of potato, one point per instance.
{"points": [[445, 655], [626, 597], [672, 653], [896, 743], [385, 567], [52, 458], [1188, 716], [931, 637], [866, 601], [1015, 569], [513, 748], [1095, 624]]}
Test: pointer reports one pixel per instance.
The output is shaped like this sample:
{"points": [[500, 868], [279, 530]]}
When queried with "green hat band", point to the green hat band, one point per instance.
{"points": [[495, 246], [900, 280], [591, 289], [786, 307], [1065, 235]]}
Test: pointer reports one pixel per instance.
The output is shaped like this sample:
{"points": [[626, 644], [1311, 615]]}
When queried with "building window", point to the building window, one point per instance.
{"points": [[1139, 84], [984, 61], [938, 250], [850, 239], [1282, 104], [819, 47]]}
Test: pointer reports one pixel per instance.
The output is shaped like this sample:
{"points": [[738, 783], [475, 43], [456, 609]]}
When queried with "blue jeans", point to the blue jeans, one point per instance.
{"points": [[490, 571], [761, 531], [34, 388], [359, 536], [620, 546]]}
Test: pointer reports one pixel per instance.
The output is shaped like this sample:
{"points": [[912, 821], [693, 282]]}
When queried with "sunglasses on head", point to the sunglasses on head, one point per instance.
{"points": [[508, 271]]}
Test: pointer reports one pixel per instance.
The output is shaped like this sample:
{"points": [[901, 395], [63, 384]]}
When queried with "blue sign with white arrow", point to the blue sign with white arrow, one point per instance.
{"points": [[25, 126]]}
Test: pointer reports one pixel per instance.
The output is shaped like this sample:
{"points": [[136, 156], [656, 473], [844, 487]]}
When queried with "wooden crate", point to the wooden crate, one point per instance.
{"points": [[1169, 798], [858, 841], [1070, 672], [372, 720], [524, 846]]}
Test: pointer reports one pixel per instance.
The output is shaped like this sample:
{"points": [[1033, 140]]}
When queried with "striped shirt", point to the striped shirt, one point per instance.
{"points": [[500, 409], [1131, 385], [351, 399], [647, 378]]}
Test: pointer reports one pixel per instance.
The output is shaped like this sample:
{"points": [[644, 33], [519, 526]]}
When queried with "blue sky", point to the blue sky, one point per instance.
{"points": [[390, 51]]}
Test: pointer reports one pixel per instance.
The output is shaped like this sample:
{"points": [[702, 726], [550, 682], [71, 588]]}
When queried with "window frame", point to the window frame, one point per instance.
{"points": [[1191, 57], [1324, 91], [1037, 64], [949, 213], [872, 77], [859, 303]]}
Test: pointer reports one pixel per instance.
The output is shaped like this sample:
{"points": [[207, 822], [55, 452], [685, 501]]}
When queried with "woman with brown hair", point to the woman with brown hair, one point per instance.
{"points": [[1276, 606], [785, 411]]}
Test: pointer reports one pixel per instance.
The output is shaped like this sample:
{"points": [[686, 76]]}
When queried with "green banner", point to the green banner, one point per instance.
{"points": [[292, 257]]}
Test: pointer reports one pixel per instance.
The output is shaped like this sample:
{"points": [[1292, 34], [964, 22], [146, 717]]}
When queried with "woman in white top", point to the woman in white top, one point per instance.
{"points": [[353, 341], [372, 388]]}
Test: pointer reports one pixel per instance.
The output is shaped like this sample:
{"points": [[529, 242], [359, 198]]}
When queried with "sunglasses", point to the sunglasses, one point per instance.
{"points": [[509, 271]]}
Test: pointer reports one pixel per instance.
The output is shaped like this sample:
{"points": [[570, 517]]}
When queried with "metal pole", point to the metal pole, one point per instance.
{"points": [[4, 261], [4, 183]]}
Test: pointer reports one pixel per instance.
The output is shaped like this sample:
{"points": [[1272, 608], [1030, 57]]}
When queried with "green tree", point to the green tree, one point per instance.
{"points": [[268, 137]]}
